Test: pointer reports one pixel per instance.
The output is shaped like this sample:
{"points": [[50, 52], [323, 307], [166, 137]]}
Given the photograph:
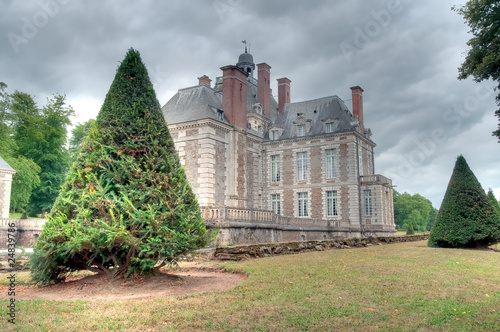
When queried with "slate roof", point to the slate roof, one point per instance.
{"points": [[316, 112], [202, 102], [4, 166], [191, 104]]}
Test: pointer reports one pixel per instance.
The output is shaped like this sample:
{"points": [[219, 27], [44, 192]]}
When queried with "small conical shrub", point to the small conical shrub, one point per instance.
{"points": [[126, 205], [410, 230], [466, 217]]}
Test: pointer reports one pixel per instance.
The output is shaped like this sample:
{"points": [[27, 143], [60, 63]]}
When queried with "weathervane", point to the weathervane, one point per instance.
{"points": [[245, 42]]}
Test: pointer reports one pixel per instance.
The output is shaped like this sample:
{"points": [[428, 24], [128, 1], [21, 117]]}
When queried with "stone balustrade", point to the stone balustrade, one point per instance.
{"points": [[23, 223], [225, 214], [375, 179]]}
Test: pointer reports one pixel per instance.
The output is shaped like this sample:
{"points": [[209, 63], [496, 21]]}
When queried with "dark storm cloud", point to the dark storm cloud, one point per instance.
{"points": [[403, 53]]}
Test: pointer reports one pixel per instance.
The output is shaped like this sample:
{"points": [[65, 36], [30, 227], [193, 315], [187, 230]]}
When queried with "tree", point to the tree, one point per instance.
{"points": [[493, 201], [405, 204], [24, 182], [466, 217], [126, 207], [483, 59], [78, 133], [40, 135]]}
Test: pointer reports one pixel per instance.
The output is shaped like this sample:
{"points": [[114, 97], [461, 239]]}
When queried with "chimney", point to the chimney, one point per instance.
{"points": [[234, 95], [283, 92], [264, 87], [357, 105], [204, 80]]}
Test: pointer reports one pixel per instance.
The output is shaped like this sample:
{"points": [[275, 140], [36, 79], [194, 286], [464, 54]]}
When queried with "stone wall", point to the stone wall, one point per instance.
{"points": [[281, 248], [27, 231], [5, 187]]}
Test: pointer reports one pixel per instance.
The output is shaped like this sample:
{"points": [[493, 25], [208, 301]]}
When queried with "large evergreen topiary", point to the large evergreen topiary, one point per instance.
{"points": [[126, 205], [466, 217]]}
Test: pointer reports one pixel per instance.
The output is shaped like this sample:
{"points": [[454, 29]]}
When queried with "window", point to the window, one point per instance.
{"points": [[368, 202], [301, 130], [360, 157], [276, 203], [302, 200], [331, 171], [329, 127], [331, 203], [274, 135], [220, 114], [275, 168], [301, 165]]}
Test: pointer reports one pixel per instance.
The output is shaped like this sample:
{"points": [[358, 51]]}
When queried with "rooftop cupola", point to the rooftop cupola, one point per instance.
{"points": [[245, 62]]}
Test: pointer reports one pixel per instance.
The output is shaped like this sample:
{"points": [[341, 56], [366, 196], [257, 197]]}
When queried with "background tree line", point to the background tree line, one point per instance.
{"points": [[414, 210], [33, 142]]}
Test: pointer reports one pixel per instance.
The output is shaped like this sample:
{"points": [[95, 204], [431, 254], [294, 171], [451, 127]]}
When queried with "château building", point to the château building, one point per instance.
{"points": [[266, 170]]}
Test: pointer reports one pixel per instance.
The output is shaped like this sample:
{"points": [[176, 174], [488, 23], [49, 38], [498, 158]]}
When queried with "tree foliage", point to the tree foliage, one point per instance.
{"points": [[493, 201], [483, 59], [466, 217], [405, 204], [24, 182], [78, 133], [126, 205]]}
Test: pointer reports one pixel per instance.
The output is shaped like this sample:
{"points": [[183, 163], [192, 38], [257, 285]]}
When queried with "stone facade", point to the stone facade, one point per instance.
{"points": [[311, 162], [6, 173]]}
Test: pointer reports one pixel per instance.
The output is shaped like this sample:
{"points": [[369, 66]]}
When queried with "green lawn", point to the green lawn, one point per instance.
{"points": [[398, 287], [18, 216]]}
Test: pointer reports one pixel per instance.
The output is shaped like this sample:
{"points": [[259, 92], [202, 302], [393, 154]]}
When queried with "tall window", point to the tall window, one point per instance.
{"points": [[301, 165], [302, 200], [368, 202], [275, 168], [276, 203], [360, 157], [274, 135], [329, 127], [301, 130], [331, 203], [330, 164]]}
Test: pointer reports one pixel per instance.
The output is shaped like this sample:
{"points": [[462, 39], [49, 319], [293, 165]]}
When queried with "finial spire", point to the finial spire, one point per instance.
{"points": [[245, 42]]}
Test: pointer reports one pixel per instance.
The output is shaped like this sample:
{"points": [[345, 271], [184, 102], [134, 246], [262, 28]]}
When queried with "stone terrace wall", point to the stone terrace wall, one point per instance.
{"points": [[27, 231], [282, 248]]}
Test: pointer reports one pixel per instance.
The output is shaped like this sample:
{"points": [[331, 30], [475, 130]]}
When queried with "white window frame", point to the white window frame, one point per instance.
{"points": [[275, 134], [330, 163], [275, 168], [331, 203], [276, 203], [301, 130], [301, 166], [302, 201], [368, 202], [329, 127]]}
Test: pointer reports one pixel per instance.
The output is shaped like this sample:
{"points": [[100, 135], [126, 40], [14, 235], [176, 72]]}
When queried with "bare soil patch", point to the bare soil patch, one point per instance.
{"points": [[168, 283]]}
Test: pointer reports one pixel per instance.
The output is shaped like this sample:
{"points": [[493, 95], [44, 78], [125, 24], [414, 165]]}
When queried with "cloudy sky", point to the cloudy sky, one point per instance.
{"points": [[404, 54]]}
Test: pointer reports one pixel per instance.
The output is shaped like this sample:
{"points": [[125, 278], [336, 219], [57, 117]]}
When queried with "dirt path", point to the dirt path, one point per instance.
{"points": [[165, 284]]}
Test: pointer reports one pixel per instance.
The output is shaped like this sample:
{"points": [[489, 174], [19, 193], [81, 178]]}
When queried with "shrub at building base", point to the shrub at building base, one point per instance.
{"points": [[466, 217], [126, 205]]}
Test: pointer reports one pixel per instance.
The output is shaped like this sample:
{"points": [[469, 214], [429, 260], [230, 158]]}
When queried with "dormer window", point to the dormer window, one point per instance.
{"points": [[275, 135], [329, 127], [220, 114], [301, 130]]}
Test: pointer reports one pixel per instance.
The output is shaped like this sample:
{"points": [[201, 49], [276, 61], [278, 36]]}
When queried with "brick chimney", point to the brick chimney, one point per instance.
{"points": [[204, 80], [357, 105], [283, 92], [264, 87], [234, 95]]}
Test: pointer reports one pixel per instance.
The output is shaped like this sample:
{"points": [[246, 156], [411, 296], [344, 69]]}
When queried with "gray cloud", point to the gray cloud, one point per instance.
{"points": [[404, 54]]}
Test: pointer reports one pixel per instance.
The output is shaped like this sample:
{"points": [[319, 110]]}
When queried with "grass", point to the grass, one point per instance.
{"points": [[18, 215], [399, 287]]}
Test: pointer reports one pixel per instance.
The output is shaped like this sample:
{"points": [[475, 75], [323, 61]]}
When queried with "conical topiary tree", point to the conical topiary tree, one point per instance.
{"points": [[126, 205], [466, 217]]}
